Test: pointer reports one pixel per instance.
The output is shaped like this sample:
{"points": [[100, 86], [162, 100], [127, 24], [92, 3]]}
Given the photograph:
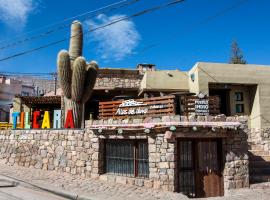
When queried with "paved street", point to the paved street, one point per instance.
{"points": [[24, 193], [91, 188], [13, 190]]}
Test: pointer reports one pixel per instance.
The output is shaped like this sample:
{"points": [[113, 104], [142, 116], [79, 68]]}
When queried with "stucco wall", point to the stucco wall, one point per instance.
{"points": [[237, 74]]}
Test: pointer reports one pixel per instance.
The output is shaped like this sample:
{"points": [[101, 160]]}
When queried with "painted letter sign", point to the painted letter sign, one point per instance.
{"points": [[44, 122]]}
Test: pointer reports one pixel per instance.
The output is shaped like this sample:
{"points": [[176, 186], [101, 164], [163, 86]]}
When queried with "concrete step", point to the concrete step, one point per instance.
{"points": [[256, 147], [263, 185], [259, 164], [259, 178], [259, 158], [259, 171], [259, 152]]}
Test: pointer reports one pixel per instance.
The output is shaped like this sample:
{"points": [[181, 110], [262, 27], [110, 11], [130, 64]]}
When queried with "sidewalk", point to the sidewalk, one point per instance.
{"points": [[84, 188], [75, 187]]}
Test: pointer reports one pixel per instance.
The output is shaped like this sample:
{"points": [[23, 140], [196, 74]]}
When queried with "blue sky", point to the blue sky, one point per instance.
{"points": [[180, 33]]}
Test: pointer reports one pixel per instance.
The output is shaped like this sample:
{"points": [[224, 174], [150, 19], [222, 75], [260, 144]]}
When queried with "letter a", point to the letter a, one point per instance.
{"points": [[69, 120], [46, 120]]}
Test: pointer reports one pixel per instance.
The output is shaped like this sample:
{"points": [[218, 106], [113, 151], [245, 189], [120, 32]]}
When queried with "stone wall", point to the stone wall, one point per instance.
{"points": [[259, 138], [81, 152], [161, 161], [236, 164], [116, 78], [68, 151]]}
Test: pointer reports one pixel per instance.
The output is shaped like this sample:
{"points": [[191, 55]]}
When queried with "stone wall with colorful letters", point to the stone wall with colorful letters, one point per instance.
{"points": [[43, 122], [81, 151]]}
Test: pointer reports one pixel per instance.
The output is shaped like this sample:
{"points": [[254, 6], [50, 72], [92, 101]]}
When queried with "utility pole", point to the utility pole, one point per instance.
{"points": [[55, 82]]}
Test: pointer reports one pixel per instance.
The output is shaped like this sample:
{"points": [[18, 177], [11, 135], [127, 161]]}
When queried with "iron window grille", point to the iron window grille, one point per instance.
{"points": [[127, 158]]}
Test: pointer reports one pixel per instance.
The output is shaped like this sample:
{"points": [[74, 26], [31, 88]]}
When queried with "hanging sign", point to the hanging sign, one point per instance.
{"points": [[201, 105]]}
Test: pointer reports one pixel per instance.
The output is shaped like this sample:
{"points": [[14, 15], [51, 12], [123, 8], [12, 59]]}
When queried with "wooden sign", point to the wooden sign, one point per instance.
{"points": [[155, 106], [201, 105]]}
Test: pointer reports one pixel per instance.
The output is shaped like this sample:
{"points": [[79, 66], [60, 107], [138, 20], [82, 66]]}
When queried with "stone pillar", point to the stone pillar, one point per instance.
{"points": [[236, 171], [97, 160], [162, 157]]}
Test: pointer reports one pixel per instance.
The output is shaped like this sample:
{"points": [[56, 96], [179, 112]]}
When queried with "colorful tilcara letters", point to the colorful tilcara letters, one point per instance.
{"points": [[45, 123]]}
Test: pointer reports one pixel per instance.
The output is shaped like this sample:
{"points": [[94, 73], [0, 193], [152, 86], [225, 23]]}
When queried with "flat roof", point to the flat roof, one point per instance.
{"points": [[32, 100]]}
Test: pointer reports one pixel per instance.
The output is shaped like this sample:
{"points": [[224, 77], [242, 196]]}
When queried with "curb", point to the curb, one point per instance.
{"points": [[56, 191], [7, 183], [62, 193], [59, 192]]}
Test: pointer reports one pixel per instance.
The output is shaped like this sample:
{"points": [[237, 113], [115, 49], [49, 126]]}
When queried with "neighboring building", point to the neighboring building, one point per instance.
{"points": [[4, 114], [8, 89], [243, 89]]}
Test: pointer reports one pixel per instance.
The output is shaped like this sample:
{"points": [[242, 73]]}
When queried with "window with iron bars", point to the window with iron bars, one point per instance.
{"points": [[127, 158]]}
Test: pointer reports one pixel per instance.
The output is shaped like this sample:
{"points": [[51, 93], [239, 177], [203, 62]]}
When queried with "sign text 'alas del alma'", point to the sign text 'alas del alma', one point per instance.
{"points": [[132, 107], [24, 119]]}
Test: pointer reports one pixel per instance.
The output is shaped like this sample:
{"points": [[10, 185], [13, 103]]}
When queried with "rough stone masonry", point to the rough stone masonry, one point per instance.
{"points": [[81, 152]]}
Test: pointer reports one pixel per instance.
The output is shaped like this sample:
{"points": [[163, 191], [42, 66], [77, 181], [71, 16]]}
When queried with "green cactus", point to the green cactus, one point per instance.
{"points": [[77, 78]]}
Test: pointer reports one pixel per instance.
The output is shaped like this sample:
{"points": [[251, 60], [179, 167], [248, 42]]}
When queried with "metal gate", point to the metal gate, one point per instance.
{"points": [[199, 167]]}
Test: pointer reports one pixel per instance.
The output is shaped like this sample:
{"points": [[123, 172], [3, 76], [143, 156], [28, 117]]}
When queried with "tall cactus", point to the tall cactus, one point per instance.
{"points": [[77, 77]]}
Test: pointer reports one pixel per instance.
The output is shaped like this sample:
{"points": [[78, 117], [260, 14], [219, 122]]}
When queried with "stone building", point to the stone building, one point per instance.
{"points": [[198, 158], [193, 132]]}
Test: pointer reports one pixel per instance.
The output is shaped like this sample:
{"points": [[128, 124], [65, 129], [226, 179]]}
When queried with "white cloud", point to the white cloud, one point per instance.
{"points": [[16, 11], [115, 41]]}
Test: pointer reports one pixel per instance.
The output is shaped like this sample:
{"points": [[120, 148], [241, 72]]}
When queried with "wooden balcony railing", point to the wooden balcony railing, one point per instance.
{"points": [[155, 106]]}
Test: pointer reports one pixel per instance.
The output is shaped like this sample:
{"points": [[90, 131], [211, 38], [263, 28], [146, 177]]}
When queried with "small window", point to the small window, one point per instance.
{"points": [[127, 158], [239, 108], [239, 96]]}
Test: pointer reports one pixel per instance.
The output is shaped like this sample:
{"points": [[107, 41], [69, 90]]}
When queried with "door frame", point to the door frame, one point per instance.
{"points": [[195, 157]]}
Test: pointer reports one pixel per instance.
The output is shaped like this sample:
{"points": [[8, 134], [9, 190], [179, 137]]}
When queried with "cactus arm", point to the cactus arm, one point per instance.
{"points": [[90, 80], [64, 72], [78, 77], [76, 40]]}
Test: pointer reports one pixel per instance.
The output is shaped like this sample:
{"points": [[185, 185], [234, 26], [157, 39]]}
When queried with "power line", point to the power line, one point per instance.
{"points": [[63, 26], [70, 18], [26, 73], [97, 28], [190, 29]]}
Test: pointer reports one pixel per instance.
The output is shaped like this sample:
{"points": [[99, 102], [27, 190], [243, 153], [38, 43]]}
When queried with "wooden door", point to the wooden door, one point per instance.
{"points": [[200, 168], [208, 169], [186, 166]]}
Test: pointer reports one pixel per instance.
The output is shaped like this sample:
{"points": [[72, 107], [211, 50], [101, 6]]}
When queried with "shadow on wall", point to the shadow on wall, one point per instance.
{"points": [[259, 166]]}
